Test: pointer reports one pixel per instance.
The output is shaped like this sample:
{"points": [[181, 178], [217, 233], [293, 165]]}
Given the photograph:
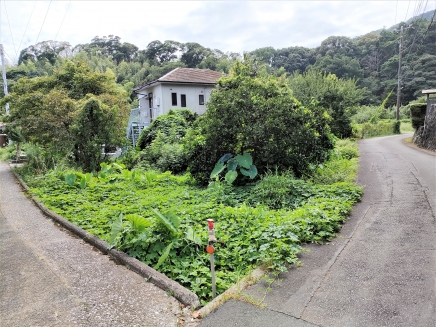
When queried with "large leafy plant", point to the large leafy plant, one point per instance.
{"points": [[244, 162]]}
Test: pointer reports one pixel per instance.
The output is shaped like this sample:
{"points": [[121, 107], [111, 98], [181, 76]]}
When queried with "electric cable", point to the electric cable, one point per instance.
{"points": [[7, 16], [405, 18], [31, 14], [396, 11], [62, 20], [43, 22]]}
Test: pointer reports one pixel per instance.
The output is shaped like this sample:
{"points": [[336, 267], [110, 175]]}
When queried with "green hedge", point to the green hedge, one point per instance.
{"points": [[417, 114]]}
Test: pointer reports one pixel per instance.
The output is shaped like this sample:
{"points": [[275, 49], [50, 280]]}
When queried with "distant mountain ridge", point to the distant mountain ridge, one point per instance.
{"points": [[426, 16]]}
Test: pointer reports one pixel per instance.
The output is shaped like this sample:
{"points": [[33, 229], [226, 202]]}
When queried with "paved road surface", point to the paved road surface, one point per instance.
{"points": [[49, 278], [380, 271]]}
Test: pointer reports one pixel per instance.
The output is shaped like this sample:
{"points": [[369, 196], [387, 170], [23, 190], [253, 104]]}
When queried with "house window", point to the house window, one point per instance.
{"points": [[174, 99], [183, 100], [201, 99]]}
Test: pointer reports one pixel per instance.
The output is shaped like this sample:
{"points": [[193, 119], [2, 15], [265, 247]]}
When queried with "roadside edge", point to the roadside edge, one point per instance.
{"points": [[182, 294]]}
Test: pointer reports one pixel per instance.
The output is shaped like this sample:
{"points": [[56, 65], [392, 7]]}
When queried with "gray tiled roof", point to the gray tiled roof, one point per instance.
{"points": [[188, 75]]}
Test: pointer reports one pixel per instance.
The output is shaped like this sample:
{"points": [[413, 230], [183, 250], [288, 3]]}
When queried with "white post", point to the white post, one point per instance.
{"points": [[5, 84]]}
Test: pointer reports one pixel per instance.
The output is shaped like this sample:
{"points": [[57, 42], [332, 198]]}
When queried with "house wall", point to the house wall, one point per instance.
{"points": [[162, 100], [192, 93], [144, 107]]}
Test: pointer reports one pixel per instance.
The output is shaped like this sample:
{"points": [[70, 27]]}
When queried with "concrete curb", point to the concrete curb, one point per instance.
{"points": [[182, 294], [233, 292]]}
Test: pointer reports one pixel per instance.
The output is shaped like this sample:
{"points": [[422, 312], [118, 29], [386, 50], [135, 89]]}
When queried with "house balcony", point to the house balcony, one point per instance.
{"points": [[138, 120]]}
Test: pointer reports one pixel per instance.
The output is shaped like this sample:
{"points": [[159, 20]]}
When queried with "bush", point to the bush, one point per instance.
{"points": [[7, 153], [256, 113], [397, 127], [174, 123], [342, 170], [337, 95], [130, 158], [417, 114], [279, 191], [365, 113], [381, 128], [346, 149], [164, 155]]}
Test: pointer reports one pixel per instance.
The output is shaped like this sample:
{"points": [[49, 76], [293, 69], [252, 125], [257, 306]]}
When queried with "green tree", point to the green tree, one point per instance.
{"points": [[93, 128], [46, 108], [194, 54], [341, 66], [338, 96], [250, 111]]}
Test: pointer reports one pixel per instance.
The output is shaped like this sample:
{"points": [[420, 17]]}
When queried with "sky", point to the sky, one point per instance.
{"points": [[236, 26]]}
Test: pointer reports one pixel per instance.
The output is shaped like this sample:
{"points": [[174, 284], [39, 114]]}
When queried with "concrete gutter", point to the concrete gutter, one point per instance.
{"points": [[182, 294]]}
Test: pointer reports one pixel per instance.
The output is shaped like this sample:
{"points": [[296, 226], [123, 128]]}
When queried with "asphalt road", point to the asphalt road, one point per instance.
{"points": [[379, 271], [48, 277]]}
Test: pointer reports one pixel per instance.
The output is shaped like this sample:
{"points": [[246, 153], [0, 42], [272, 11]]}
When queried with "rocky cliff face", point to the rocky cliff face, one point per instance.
{"points": [[425, 136]]}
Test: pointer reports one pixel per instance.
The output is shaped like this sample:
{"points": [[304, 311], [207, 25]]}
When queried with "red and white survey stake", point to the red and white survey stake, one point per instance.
{"points": [[211, 250]]}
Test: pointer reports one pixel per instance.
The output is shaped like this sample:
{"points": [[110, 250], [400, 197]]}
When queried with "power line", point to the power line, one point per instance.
{"points": [[43, 22], [62, 20], [396, 11], [7, 16], [10, 59], [16, 54], [405, 18]]}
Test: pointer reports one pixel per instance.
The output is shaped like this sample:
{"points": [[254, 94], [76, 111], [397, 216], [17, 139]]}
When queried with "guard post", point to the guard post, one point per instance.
{"points": [[211, 250]]}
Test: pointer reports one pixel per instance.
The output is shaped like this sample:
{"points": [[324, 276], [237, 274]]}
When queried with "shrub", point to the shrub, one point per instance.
{"points": [[346, 149], [174, 123], [130, 158], [164, 156], [256, 113], [336, 95], [335, 171], [417, 114], [279, 191]]}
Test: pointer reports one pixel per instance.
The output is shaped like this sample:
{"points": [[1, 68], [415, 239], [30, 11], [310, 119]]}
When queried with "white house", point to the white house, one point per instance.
{"points": [[180, 88]]}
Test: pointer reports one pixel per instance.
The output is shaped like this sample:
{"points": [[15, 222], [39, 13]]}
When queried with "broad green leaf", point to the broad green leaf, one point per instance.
{"points": [[232, 164], [126, 174], [219, 167], [252, 172], [225, 157], [119, 167], [138, 223], [82, 183], [117, 226], [231, 176], [166, 221], [245, 160], [88, 177], [70, 179], [191, 236], [164, 256]]}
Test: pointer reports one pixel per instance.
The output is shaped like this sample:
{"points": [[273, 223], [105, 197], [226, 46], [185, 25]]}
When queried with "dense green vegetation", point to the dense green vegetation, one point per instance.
{"points": [[290, 111], [70, 113], [260, 223], [371, 59]]}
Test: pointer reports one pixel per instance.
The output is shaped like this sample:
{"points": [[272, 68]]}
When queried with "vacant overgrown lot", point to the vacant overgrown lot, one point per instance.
{"points": [[160, 218]]}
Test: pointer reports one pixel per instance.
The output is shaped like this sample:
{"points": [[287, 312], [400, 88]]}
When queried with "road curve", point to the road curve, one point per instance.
{"points": [[379, 271]]}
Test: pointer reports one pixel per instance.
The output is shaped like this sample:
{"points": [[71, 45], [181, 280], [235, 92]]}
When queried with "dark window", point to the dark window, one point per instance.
{"points": [[201, 99], [183, 100], [174, 99]]}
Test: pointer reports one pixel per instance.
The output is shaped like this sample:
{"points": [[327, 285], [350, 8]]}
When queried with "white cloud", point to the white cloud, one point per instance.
{"points": [[226, 25]]}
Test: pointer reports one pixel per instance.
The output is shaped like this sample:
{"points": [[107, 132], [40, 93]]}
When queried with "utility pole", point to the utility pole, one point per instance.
{"points": [[5, 83], [399, 74]]}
